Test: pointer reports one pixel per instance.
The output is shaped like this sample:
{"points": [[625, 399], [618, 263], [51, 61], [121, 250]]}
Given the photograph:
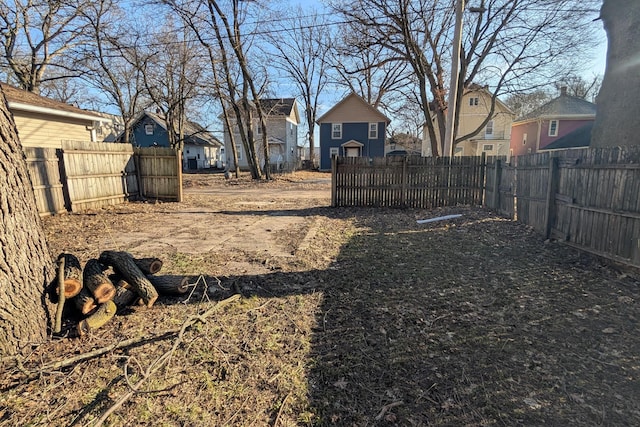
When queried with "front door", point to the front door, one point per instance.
{"points": [[353, 152]]}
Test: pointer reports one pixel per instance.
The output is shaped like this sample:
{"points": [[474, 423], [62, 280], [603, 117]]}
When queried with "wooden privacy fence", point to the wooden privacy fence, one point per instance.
{"points": [[85, 175], [413, 181], [587, 198]]}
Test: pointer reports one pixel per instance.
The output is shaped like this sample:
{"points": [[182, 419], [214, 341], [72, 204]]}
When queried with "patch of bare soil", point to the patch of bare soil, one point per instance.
{"points": [[348, 317]]}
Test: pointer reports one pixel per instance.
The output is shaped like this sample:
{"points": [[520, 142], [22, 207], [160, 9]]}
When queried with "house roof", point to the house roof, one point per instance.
{"points": [[564, 106], [474, 87], [194, 133], [22, 100], [277, 107], [352, 97], [579, 138]]}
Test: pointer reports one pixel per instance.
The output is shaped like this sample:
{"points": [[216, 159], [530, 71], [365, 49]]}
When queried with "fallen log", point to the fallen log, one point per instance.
{"points": [[170, 285], [57, 327], [97, 282], [124, 264], [101, 316], [84, 301], [124, 296], [72, 275], [148, 265]]}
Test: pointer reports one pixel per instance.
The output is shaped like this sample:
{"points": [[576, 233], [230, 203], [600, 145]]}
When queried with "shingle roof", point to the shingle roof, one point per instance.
{"points": [[198, 134], [562, 106], [15, 95], [580, 137], [278, 106]]}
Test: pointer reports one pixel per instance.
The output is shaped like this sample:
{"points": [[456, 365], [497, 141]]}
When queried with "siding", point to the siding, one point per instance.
{"points": [[40, 130], [350, 131]]}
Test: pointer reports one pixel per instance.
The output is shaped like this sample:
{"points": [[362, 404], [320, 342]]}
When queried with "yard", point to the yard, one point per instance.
{"points": [[348, 317]]}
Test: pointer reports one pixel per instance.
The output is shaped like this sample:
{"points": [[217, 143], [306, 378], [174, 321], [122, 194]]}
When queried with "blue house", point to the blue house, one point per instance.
{"points": [[201, 150], [352, 128]]}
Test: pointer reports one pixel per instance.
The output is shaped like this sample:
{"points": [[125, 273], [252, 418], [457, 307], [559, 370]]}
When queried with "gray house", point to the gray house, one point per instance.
{"points": [[283, 120]]}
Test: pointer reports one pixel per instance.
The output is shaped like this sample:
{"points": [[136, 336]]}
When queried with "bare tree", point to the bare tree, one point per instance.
{"points": [[25, 266], [240, 94], [617, 121], [170, 72], [34, 35], [111, 58], [300, 48], [505, 43]]}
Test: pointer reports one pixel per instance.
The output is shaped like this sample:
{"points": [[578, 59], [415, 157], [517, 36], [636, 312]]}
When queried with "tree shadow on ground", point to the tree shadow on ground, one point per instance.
{"points": [[470, 322]]}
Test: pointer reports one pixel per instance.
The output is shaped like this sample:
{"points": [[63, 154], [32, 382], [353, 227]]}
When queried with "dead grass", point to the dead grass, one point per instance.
{"points": [[378, 321]]}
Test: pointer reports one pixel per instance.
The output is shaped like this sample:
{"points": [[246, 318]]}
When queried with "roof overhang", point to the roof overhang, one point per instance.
{"points": [[19, 106], [556, 117], [352, 144]]}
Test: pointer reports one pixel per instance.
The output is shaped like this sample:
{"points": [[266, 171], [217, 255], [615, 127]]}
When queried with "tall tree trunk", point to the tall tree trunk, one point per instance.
{"points": [[25, 265], [617, 121]]}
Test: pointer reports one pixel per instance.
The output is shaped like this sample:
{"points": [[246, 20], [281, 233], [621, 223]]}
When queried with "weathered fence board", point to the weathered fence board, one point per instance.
{"points": [[44, 171], [160, 173], [98, 174], [416, 182], [89, 175]]}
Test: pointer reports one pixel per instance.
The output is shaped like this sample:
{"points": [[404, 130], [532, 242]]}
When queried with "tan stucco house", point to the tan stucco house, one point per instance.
{"points": [[475, 106], [43, 122]]}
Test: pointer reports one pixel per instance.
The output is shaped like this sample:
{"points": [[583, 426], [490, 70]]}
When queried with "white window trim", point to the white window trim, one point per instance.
{"points": [[373, 130], [239, 151], [334, 151], [487, 147], [148, 127], [524, 139], [488, 127], [557, 127], [333, 135]]}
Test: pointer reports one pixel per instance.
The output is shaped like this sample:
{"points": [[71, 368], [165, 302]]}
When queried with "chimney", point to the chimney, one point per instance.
{"points": [[563, 91]]}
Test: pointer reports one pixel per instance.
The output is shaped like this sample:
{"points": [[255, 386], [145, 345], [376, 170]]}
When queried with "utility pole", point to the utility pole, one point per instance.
{"points": [[449, 137]]}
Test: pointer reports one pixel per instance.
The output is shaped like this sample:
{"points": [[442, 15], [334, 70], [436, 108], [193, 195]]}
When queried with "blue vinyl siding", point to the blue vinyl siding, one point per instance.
{"points": [[350, 131], [141, 139]]}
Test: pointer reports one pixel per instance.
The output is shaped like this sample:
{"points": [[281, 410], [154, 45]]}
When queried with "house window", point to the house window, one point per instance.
{"points": [[333, 152], [148, 129], [259, 130], [336, 130], [198, 156], [553, 128], [373, 131], [239, 151], [291, 129], [473, 101], [487, 147], [524, 139], [458, 150], [488, 131]]}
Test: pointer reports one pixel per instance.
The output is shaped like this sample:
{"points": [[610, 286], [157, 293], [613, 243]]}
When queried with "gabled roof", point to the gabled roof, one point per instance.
{"points": [[194, 133], [474, 87], [22, 100], [353, 98], [277, 107], [579, 138], [564, 106]]}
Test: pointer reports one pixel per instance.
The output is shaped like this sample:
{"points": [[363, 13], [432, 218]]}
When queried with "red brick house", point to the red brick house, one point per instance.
{"points": [[555, 119]]}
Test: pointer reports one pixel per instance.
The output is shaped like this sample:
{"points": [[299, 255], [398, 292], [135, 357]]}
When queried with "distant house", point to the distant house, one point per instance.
{"points": [[201, 150], [493, 139], [283, 119], [403, 144], [555, 119], [352, 128], [43, 122], [111, 128]]}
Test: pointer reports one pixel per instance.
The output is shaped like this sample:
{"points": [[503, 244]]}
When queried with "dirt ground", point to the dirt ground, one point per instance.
{"points": [[348, 317]]}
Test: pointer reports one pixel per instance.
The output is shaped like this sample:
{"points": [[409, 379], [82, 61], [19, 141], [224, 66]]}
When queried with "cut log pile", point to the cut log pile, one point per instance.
{"points": [[97, 293]]}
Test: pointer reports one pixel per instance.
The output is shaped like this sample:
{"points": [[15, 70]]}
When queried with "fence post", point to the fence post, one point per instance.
{"points": [[334, 181], [179, 165], [403, 194], [482, 185], [552, 189], [497, 177]]}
